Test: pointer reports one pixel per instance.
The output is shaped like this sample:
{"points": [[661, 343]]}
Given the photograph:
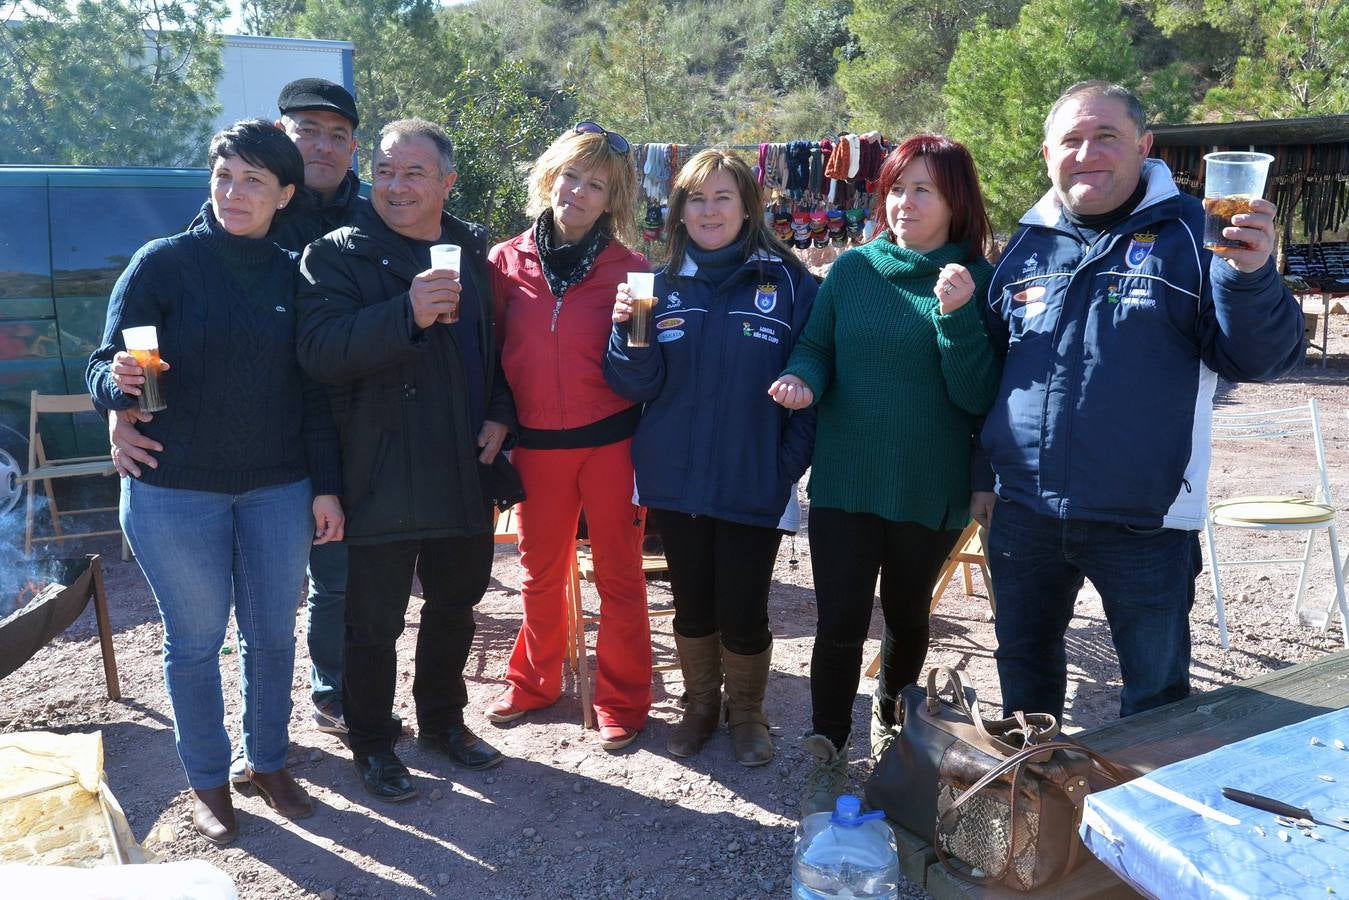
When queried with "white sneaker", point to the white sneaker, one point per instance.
{"points": [[328, 723]]}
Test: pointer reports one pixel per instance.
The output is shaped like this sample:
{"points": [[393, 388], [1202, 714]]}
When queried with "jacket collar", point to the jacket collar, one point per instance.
{"points": [[690, 268], [369, 236], [347, 193], [1161, 187]]}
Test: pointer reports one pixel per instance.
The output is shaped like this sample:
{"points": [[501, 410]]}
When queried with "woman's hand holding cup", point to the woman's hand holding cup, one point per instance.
{"points": [[622, 303], [128, 375]]}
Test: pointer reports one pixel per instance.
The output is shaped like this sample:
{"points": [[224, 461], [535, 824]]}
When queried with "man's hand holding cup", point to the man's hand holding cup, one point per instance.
{"points": [[435, 297]]}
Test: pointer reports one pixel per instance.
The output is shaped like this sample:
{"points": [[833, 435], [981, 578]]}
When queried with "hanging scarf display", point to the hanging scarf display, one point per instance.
{"points": [[817, 194]]}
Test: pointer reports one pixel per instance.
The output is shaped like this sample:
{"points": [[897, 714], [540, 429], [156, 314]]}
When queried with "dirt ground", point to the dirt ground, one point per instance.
{"points": [[562, 818]]}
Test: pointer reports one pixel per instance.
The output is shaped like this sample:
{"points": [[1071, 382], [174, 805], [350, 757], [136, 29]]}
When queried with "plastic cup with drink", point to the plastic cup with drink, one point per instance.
{"points": [[447, 256], [143, 343], [1232, 179], [643, 288]]}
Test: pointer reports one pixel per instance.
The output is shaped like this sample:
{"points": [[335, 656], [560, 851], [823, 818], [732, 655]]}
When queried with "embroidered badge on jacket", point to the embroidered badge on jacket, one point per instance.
{"points": [[766, 298], [1139, 249]]}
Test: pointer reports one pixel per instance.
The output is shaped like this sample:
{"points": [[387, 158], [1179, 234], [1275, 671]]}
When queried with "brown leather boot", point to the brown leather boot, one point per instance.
{"points": [[213, 814], [283, 793], [746, 681], [700, 661]]}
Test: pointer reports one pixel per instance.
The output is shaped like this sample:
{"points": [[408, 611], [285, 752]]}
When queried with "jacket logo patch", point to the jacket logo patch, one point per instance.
{"points": [[666, 336], [669, 323], [1032, 262], [761, 332], [672, 300], [1138, 296], [1140, 248], [766, 298], [1028, 302]]}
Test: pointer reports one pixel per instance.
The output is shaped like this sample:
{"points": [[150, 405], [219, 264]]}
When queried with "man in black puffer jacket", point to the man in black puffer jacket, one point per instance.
{"points": [[421, 415]]}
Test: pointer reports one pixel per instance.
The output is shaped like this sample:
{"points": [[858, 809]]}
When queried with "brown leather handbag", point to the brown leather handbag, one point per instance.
{"points": [[1002, 795], [1014, 820]]}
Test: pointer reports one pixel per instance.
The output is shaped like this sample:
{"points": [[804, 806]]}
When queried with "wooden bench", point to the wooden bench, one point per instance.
{"points": [[1150, 740]]}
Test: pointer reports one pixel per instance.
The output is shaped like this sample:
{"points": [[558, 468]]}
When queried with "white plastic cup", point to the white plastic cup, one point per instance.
{"points": [[143, 337], [643, 288], [142, 342], [1232, 179], [642, 284], [445, 256]]}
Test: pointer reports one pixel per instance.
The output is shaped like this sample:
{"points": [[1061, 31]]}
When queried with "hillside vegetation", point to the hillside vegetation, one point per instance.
{"points": [[505, 76]]}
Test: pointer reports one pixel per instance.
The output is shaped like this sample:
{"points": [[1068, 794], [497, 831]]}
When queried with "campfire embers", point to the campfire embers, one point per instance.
{"points": [[31, 592], [47, 607]]}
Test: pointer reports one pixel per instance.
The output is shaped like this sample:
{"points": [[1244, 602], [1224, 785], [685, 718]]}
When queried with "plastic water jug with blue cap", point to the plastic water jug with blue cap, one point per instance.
{"points": [[845, 853]]}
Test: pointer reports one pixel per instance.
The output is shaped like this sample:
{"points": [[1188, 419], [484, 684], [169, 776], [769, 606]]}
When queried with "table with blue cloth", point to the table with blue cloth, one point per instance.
{"points": [[1171, 833]]}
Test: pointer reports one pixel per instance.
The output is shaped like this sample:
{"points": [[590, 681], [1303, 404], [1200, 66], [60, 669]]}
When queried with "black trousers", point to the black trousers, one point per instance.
{"points": [[720, 573], [454, 573], [847, 550]]}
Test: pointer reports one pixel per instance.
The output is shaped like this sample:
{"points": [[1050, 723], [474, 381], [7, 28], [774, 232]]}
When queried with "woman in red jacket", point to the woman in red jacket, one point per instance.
{"points": [[554, 287]]}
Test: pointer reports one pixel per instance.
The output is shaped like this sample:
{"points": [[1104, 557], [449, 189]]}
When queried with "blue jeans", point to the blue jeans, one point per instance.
{"points": [[202, 553], [1146, 581], [324, 622]]}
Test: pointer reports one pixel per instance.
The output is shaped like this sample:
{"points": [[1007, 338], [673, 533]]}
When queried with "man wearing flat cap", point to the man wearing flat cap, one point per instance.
{"points": [[320, 117]]}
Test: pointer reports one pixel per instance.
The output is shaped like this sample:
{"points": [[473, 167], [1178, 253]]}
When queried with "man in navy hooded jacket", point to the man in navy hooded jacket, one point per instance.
{"points": [[1116, 323]]}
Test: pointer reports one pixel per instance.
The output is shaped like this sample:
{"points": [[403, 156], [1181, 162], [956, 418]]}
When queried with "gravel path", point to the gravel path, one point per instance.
{"points": [[563, 819]]}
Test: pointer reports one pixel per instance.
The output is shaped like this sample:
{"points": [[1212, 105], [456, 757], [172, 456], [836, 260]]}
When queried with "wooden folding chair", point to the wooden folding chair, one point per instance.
{"points": [[44, 470], [968, 552], [584, 569], [503, 527]]}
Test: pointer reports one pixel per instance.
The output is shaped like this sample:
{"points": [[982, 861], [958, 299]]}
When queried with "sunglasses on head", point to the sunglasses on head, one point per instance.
{"points": [[617, 142]]}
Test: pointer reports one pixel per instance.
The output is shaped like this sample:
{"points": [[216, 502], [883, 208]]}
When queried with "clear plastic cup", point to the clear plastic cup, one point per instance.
{"points": [[643, 288], [142, 342], [1232, 179]]}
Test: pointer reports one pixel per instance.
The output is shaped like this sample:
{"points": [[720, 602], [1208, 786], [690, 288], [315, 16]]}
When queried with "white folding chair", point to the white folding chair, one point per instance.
{"points": [[1285, 513]]}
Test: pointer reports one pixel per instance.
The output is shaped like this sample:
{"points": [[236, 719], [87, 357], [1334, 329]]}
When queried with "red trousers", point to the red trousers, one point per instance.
{"points": [[558, 484]]}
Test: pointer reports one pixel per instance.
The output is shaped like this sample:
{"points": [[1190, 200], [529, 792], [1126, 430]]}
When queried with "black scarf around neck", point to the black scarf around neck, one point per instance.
{"points": [[566, 264]]}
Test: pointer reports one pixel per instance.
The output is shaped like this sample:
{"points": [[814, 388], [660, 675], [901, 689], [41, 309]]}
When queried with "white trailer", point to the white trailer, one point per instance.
{"points": [[255, 68]]}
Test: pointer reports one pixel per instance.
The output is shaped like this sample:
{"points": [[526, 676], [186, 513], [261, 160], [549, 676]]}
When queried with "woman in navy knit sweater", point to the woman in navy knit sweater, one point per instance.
{"points": [[249, 471]]}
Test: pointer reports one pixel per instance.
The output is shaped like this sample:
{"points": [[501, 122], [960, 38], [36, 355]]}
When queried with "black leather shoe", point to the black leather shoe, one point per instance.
{"points": [[464, 748], [385, 777]]}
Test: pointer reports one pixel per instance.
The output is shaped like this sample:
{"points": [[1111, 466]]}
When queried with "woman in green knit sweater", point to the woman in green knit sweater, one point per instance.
{"points": [[897, 358]]}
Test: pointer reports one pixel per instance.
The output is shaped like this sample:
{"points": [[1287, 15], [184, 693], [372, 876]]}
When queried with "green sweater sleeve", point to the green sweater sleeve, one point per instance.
{"points": [[812, 358], [969, 366]]}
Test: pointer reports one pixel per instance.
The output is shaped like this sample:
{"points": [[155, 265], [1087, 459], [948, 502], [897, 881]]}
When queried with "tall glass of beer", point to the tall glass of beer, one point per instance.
{"points": [[1231, 181], [643, 288], [143, 343]]}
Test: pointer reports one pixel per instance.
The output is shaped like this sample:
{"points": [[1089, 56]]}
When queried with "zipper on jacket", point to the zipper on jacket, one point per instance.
{"points": [[724, 294], [1097, 250], [557, 365], [696, 351]]}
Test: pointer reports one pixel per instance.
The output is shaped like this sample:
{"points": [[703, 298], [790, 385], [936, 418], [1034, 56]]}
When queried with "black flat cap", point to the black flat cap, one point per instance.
{"points": [[317, 93]]}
